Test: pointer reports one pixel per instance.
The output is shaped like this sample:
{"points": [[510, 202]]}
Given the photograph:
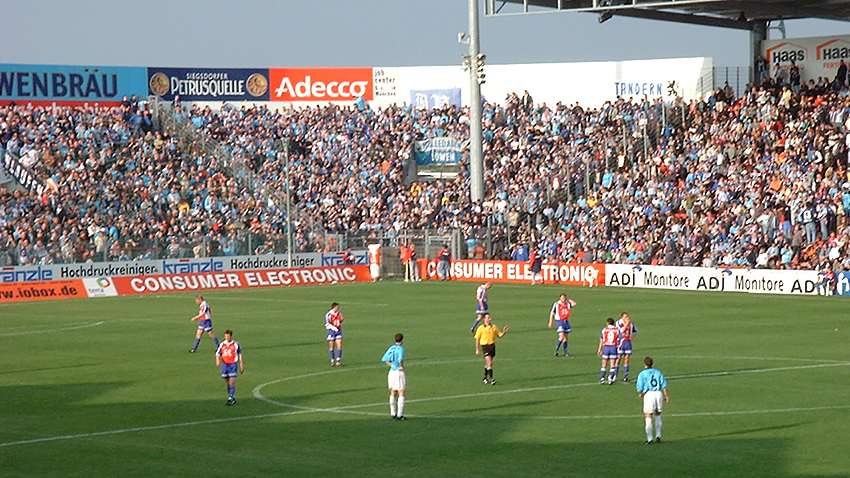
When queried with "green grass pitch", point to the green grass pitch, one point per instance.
{"points": [[759, 386]]}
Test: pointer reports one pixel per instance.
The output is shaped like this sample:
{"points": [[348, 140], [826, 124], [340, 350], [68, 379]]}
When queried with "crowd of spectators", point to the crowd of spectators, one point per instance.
{"points": [[752, 180]]}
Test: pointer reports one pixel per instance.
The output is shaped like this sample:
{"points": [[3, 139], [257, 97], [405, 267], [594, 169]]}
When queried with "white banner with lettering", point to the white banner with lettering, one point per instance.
{"points": [[760, 281]]}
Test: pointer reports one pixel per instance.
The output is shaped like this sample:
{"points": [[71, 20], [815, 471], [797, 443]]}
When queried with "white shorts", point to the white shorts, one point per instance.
{"points": [[396, 380], [653, 401]]}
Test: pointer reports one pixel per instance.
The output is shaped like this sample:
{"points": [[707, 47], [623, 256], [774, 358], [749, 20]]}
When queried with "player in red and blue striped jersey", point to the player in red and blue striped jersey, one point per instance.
{"points": [[227, 355], [481, 306], [560, 315], [609, 339], [333, 325], [205, 324], [627, 331]]}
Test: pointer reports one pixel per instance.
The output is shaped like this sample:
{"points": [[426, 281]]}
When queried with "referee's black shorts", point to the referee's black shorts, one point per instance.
{"points": [[489, 350]]}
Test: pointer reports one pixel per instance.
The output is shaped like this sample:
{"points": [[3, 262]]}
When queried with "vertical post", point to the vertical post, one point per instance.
{"points": [[288, 208], [476, 155], [758, 34]]}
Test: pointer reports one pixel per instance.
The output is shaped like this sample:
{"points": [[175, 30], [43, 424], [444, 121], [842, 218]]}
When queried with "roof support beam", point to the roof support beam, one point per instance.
{"points": [[683, 18]]}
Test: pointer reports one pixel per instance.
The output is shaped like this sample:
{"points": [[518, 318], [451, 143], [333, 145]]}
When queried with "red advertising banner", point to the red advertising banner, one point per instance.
{"points": [[510, 271], [197, 281], [49, 290], [320, 84]]}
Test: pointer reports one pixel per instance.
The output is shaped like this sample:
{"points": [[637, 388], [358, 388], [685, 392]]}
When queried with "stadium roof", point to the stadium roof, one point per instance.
{"points": [[728, 14]]}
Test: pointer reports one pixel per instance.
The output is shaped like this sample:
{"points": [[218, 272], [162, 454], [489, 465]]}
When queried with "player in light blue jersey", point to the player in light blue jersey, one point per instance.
{"points": [[205, 323], [652, 387], [396, 381]]}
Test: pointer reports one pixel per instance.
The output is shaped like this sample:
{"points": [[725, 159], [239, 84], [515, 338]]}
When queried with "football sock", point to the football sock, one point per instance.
{"points": [[215, 338], [625, 371], [331, 352], [614, 371], [565, 346], [231, 391], [648, 429], [401, 405], [392, 405], [602, 373], [338, 355], [488, 372], [558, 346], [197, 342], [475, 325], [658, 426]]}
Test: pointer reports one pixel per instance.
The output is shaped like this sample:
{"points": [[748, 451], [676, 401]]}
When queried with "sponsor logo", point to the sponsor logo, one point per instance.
{"points": [[103, 282], [159, 84], [833, 50], [240, 279], [208, 84], [91, 84], [183, 266], [321, 84], [11, 274], [257, 85], [644, 88], [787, 52], [337, 259]]}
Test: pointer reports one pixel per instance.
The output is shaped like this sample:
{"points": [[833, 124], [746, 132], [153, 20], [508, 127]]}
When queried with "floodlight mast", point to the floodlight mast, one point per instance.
{"points": [[476, 77]]}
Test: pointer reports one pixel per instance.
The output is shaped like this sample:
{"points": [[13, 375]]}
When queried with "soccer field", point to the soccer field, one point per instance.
{"points": [[759, 386]]}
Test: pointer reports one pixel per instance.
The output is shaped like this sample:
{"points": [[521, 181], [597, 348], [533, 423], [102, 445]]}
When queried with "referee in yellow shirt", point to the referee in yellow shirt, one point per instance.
{"points": [[485, 336]]}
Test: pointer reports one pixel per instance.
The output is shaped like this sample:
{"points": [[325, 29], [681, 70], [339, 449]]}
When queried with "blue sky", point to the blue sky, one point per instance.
{"points": [[333, 33]]}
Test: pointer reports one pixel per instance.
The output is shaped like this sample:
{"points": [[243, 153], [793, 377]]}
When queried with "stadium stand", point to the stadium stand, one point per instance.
{"points": [[758, 180]]}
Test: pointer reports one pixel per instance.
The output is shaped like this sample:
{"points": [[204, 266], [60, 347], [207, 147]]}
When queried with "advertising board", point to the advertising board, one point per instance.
{"points": [[209, 84], [58, 85], [815, 57], [761, 281], [511, 271], [321, 84]]}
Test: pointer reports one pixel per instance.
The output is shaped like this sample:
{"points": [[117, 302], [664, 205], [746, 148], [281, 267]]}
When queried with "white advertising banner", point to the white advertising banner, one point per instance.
{"points": [[588, 83], [761, 281], [814, 56], [174, 266]]}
